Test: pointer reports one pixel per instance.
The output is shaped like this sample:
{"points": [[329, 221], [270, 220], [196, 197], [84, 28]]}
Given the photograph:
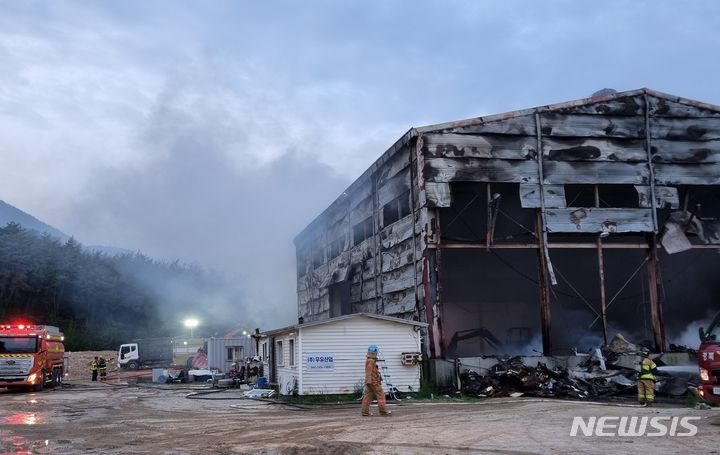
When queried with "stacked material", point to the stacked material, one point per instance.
{"points": [[79, 368]]}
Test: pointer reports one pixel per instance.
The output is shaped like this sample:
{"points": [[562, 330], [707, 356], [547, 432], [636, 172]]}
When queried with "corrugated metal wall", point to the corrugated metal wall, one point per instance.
{"points": [[220, 358], [358, 258], [347, 340], [638, 150]]}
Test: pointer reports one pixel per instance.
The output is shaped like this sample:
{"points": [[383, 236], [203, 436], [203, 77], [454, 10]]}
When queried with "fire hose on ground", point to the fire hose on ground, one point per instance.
{"points": [[201, 395]]}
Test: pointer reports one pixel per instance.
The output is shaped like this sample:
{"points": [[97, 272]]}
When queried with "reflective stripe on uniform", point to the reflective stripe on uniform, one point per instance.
{"points": [[646, 367]]}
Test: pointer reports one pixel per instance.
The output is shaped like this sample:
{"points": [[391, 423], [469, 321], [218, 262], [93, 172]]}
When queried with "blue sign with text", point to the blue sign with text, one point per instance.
{"points": [[324, 361]]}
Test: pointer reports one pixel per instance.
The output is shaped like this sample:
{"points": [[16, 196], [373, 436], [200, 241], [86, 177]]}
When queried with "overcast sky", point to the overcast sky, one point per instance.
{"points": [[213, 131]]}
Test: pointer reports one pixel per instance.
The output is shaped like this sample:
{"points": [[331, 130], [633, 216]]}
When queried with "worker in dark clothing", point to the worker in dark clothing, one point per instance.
{"points": [[373, 388], [646, 379], [94, 369], [102, 368]]}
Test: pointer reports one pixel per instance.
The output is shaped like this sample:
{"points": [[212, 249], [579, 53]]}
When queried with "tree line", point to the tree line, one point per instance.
{"points": [[98, 300]]}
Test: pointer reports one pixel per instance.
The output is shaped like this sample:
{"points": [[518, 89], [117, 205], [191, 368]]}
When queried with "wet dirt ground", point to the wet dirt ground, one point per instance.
{"points": [[100, 418]]}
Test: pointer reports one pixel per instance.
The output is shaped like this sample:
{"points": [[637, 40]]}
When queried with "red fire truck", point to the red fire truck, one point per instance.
{"points": [[31, 356], [709, 362]]}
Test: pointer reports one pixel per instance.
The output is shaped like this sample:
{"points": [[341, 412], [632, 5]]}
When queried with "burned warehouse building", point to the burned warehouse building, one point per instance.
{"points": [[545, 230]]}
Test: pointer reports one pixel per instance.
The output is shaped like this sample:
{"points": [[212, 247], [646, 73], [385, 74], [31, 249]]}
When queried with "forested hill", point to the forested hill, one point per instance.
{"points": [[100, 301], [10, 214]]}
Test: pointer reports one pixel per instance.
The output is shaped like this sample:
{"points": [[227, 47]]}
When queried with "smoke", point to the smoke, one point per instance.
{"points": [[215, 134], [236, 223], [689, 336], [534, 347], [227, 181], [202, 154]]}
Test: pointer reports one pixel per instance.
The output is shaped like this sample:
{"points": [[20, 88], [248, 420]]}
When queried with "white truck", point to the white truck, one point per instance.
{"points": [[158, 352]]}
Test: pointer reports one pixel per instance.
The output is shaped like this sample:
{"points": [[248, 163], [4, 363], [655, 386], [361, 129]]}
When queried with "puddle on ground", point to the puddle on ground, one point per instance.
{"points": [[23, 418], [19, 445]]}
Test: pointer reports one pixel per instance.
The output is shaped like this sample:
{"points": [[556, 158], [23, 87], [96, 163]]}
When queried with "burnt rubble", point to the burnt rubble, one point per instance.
{"points": [[607, 371], [681, 348], [511, 377]]}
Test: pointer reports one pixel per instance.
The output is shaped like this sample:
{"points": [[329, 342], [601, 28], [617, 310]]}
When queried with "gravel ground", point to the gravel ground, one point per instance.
{"points": [[85, 417]]}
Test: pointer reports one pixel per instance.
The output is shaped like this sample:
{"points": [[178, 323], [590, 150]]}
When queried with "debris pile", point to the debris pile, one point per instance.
{"points": [[619, 345], [259, 393], [610, 370], [607, 371], [513, 378]]}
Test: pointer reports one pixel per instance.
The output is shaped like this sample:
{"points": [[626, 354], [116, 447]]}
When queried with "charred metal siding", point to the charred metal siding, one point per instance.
{"points": [[651, 144], [597, 142], [376, 271]]}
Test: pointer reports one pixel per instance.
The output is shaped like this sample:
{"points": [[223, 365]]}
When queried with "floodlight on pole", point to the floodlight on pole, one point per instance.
{"points": [[191, 324]]}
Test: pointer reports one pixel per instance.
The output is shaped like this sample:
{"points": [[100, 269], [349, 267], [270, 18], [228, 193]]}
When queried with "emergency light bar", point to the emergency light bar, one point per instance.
{"points": [[18, 326], [52, 330]]}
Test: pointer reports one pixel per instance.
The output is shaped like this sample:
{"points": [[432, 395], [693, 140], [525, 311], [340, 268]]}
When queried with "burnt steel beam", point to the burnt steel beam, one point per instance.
{"points": [[490, 226], [543, 281], [656, 310], [601, 270], [438, 313], [429, 270], [543, 224], [648, 145]]}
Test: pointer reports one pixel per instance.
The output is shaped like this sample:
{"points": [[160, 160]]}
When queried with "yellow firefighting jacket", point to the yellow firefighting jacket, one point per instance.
{"points": [[647, 369]]}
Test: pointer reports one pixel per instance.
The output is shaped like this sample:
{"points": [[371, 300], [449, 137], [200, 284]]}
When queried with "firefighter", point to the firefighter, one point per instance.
{"points": [[94, 369], [646, 379], [102, 367], [372, 384]]}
